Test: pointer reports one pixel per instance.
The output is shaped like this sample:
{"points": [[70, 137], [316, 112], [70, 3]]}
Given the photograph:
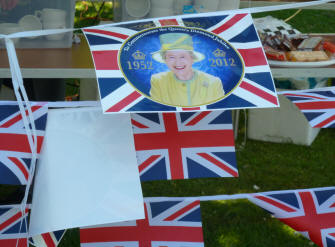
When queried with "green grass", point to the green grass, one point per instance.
{"points": [[307, 21], [239, 223]]}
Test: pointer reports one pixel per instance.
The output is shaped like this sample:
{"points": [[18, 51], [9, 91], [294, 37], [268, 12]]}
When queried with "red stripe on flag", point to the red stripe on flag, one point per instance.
{"points": [[105, 60], [169, 22], [109, 33], [218, 163], [18, 117], [147, 162], [253, 56], [151, 233], [182, 211], [138, 124], [186, 139], [48, 240], [21, 242], [276, 204], [332, 234], [124, 102], [18, 142], [191, 108], [259, 92], [10, 220], [325, 122], [22, 168], [316, 105], [198, 118], [229, 23]]}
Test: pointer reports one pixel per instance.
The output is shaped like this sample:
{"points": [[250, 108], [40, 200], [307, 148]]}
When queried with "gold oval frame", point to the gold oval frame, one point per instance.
{"points": [[182, 27]]}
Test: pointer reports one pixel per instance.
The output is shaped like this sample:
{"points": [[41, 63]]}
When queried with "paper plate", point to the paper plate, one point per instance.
{"points": [[288, 64]]}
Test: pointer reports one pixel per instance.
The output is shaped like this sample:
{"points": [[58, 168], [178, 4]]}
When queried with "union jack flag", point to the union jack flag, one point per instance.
{"points": [[256, 88], [13, 230], [166, 223], [318, 105], [184, 145], [309, 211], [49, 239], [15, 153]]}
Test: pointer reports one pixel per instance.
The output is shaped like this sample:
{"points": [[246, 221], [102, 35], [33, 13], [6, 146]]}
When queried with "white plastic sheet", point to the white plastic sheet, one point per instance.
{"points": [[87, 173]]}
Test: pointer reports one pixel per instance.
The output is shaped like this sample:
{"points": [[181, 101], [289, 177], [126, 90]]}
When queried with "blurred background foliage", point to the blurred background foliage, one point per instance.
{"points": [[90, 13]]}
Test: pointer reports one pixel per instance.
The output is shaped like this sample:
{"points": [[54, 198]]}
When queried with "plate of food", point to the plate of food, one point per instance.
{"points": [[301, 51]]}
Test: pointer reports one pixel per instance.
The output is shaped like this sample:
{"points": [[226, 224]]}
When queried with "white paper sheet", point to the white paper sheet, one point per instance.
{"points": [[87, 173]]}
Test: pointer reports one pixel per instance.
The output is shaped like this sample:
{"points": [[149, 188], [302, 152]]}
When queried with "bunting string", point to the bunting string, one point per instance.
{"points": [[28, 121]]}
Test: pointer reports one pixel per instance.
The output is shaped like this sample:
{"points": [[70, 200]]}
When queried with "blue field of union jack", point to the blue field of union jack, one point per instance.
{"points": [[310, 212], [256, 88], [15, 153], [318, 105], [166, 223], [184, 145], [13, 228]]}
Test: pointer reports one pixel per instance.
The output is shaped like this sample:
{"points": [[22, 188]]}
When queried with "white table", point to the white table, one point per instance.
{"points": [[76, 62]]}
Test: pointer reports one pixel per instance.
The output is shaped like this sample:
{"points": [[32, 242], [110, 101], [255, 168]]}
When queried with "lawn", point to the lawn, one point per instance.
{"points": [[307, 21]]}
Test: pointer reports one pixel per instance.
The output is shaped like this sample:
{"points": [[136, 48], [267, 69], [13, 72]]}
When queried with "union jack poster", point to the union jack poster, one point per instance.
{"points": [[180, 64], [318, 105], [310, 212], [49, 239], [15, 152], [13, 226], [166, 223], [184, 145]]}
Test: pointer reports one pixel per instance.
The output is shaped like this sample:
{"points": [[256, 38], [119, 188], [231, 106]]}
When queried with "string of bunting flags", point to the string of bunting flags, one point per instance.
{"points": [[192, 162], [177, 221], [178, 77]]}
